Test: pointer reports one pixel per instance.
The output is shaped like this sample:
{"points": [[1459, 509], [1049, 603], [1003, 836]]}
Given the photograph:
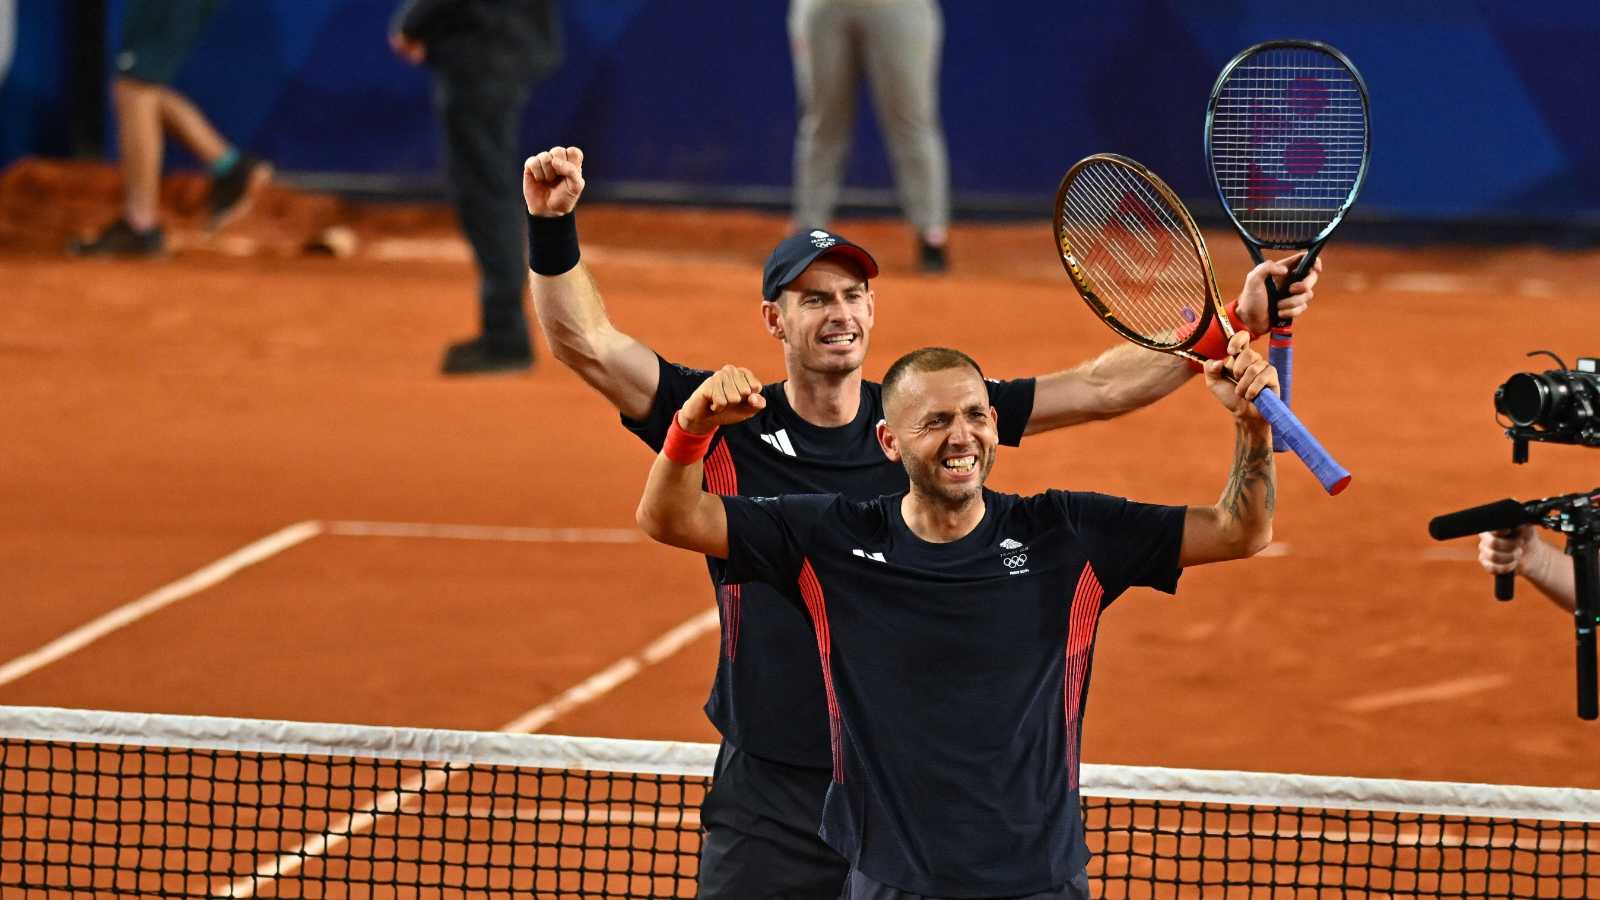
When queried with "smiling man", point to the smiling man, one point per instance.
{"points": [[954, 625], [815, 433]]}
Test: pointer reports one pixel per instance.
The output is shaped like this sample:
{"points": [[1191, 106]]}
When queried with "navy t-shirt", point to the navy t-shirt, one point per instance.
{"points": [[955, 673], [767, 697]]}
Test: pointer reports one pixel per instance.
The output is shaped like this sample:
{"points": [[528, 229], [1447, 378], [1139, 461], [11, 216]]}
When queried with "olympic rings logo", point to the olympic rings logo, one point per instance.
{"points": [[1012, 562]]}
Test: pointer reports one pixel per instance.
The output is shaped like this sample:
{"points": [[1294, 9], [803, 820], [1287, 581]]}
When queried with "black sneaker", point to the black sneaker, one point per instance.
{"points": [[931, 258], [233, 191], [121, 239], [480, 357]]}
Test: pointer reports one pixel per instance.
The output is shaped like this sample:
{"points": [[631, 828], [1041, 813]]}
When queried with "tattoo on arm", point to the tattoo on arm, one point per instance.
{"points": [[1252, 471]]}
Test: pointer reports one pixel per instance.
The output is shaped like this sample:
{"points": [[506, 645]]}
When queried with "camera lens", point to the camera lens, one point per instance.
{"points": [[1532, 399]]}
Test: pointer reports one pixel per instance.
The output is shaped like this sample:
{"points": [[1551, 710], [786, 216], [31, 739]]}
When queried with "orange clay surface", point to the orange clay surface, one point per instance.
{"points": [[158, 415]]}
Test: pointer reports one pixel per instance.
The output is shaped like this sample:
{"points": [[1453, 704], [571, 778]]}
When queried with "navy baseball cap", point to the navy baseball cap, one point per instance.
{"points": [[803, 248]]}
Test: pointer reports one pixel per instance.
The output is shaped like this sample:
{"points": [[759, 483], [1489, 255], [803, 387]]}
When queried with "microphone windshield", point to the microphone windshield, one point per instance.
{"points": [[1494, 516]]}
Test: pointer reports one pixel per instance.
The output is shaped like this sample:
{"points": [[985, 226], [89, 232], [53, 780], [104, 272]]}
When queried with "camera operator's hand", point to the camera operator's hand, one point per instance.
{"points": [[1520, 551], [1501, 552]]}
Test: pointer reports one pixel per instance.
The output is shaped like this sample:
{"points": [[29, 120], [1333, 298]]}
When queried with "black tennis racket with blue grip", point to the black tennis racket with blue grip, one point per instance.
{"points": [[1288, 141], [1136, 257]]}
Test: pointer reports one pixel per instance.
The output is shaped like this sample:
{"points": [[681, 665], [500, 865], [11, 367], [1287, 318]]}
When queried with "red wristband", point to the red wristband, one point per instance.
{"points": [[683, 447], [1214, 343]]}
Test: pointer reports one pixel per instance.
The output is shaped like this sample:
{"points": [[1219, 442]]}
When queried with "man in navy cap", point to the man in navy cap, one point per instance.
{"points": [[815, 434]]}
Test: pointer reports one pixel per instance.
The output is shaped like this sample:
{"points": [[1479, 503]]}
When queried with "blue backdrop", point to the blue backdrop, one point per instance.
{"points": [[1482, 110]]}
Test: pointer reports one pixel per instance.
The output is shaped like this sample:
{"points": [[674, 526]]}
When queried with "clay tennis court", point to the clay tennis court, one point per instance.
{"points": [[468, 553]]}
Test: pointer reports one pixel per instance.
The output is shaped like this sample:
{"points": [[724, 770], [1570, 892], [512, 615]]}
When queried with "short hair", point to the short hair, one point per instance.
{"points": [[927, 359]]}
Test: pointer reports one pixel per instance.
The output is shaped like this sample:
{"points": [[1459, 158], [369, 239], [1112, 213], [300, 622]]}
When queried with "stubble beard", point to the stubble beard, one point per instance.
{"points": [[834, 368], [827, 366], [925, 481]]}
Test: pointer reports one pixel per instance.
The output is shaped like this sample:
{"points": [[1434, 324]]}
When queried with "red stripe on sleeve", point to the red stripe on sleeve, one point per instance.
{"points": [[816, 604], [728, 597], [1081, 624], [723, 479]]}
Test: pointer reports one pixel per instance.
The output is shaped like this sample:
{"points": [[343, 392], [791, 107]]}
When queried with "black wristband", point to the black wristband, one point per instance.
{"points": [[552, 244]]}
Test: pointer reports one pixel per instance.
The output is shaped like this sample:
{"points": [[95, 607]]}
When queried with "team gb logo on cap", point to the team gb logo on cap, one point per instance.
{"points": [[822, 239]]}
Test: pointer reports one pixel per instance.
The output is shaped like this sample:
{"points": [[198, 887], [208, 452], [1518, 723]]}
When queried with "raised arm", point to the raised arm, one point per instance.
{"points": [[565, 296], [1129, 377], [674, 509], [1522, 551], [1240, 524]]}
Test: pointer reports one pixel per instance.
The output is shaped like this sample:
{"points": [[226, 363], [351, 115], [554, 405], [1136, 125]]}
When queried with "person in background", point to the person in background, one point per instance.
{"points": [[157, 37], [895, 44], [486, 56]]}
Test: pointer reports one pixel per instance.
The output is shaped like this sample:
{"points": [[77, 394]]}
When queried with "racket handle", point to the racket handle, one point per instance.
{"points": [[1505, 586], [1334, 477], [1280, 352]]}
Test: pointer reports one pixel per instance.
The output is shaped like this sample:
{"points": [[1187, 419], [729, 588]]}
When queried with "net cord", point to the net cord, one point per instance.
{"points": [[680, 758], [548, 751]]}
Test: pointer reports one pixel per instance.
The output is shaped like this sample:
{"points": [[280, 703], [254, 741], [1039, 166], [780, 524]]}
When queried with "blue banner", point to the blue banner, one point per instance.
{"points": [[1480, 110]]}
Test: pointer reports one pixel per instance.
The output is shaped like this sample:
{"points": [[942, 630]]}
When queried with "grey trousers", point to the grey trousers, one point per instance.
{"points": [[896, 45]]}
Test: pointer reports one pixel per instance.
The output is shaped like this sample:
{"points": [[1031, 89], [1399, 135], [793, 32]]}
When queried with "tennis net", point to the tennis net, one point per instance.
{"points": [[157, 805]]}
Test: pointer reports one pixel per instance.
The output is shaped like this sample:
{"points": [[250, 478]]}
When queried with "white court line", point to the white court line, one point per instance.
{"points": [[1436, 836], [451, 249], [1443, 690], [1446, 553], [408, 795], [1537, 288], [187, 586], [606, 680], [486, 533], [1447, 283], [687, 818], [1429, 283], [276, 543]]}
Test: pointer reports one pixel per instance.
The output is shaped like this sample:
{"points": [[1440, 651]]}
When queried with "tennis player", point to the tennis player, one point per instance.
{"points": [[815, 434], [954, 625]]}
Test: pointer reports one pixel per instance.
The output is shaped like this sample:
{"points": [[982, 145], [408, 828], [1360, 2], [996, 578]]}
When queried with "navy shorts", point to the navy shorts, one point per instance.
{"points": [[157, 36], [760, 838], [860, 887]]}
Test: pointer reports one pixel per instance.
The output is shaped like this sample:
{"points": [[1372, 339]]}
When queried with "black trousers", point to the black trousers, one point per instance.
{"points": [[760, 840], [481, 117], [860, 887]]}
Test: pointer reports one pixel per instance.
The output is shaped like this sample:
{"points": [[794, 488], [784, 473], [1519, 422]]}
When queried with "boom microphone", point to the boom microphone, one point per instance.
{"points": [[1496, 516]]}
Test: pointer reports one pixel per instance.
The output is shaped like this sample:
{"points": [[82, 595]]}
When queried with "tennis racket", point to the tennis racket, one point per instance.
{"points": [[1287, 144], [1136, 257]]}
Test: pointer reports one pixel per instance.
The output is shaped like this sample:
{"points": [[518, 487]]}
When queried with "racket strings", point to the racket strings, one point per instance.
{"points": [[1288, 141], [1135, 252]]}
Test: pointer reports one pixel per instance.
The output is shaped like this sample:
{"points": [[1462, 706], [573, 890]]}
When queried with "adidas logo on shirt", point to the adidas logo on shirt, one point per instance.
{"points": [[780, 440], [875, 557]]}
